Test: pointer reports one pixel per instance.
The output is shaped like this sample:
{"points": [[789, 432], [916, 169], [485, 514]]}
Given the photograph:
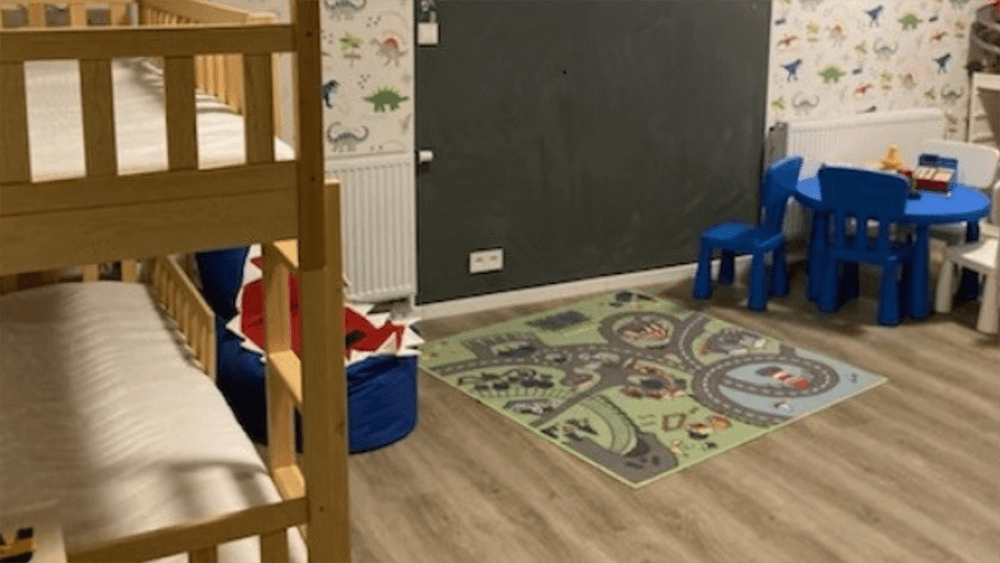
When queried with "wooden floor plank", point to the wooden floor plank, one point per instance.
{"points": [[904, 472]]}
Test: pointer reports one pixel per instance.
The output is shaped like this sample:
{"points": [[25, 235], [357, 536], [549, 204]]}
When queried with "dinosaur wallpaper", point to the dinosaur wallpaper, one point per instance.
{"points": [[368, 76], [840, 57]]}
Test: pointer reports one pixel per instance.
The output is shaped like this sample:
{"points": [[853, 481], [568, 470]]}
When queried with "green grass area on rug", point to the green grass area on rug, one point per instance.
{"points": [[639, 386]]}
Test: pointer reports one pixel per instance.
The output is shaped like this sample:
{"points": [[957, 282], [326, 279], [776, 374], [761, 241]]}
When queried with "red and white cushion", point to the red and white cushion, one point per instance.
{"points": [[369, 334]]}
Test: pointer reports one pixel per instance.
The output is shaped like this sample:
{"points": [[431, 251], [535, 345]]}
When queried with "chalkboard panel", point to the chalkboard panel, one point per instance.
{"points": [[585, 138]]}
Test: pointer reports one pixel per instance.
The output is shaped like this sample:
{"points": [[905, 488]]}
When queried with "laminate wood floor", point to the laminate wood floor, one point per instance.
{"points": [[907, 472]]}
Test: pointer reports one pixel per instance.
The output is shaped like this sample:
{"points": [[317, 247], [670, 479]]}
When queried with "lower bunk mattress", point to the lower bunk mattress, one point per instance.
{"points": [[102, 411]]}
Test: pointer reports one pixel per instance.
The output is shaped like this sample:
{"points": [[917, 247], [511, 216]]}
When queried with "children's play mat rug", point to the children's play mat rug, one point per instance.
{"points": [[638, 386]]}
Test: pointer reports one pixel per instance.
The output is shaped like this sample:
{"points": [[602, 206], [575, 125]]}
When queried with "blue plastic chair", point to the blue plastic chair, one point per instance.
{"points": [[757, 240], [852, 195]]}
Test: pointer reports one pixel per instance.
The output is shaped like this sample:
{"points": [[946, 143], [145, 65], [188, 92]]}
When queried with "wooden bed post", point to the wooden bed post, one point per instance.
{"points": [[324, 386]]}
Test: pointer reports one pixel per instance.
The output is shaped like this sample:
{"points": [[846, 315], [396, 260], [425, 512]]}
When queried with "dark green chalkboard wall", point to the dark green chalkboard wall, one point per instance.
{"points": [[585, 138]]}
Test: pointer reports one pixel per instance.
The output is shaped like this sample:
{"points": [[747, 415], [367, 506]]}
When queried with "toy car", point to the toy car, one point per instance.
{"points": [[782, 376]]}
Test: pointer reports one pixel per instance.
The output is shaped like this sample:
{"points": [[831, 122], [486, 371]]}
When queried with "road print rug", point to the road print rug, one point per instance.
{"points": [[639, 386]]}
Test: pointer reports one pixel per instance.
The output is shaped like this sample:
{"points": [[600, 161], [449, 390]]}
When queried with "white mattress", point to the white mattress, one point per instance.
{"points": [[101, 411], [55, 125]]}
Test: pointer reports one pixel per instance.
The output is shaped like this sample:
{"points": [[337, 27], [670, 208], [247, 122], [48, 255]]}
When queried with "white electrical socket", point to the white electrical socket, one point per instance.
{"points": [[486, 261]]}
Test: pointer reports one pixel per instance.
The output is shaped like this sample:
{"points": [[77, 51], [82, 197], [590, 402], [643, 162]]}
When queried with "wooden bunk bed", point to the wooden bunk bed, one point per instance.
{"points": [[111, 212]]}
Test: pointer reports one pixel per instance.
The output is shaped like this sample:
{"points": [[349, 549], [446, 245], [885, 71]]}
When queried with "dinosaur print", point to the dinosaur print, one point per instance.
{"points": [[938, 36], [883, 51], [942, 63], [874, 14], [886, 78], [950, 96], [349, 42], [793, 69], [349, 45], [960, 27], [930, 94], [352, 57], [952, 127], [342, 139], [329, 89], [391, 48], [779, 103], [857, 70], [386, 97], [910, 21], [804, 105], [344, 8], [869, 109], [863, 89], [831, 74], [812, 28], [837, 34], [786, 41]]}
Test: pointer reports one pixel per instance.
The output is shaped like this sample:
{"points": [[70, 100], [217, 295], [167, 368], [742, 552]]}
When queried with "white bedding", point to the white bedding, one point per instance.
{"points": [[55, 125], [101, 411]]}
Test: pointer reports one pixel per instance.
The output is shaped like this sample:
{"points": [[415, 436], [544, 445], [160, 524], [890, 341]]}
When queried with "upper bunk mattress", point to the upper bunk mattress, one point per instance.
{"points": [[55, 122], [102, 412]]}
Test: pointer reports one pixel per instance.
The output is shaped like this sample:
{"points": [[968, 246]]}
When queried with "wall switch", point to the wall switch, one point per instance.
{"points": [[427, 33], [486, 261]]}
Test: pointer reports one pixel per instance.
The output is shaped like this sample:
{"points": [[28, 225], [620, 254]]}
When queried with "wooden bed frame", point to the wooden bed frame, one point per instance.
{"points": [[105, 217]]}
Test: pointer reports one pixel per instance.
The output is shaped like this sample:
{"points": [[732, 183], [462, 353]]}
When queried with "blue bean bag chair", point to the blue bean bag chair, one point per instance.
{"points": [[381, 390]]}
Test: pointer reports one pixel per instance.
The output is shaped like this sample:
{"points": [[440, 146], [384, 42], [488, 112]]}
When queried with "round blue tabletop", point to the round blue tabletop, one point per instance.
{"points": [[964, 204]]}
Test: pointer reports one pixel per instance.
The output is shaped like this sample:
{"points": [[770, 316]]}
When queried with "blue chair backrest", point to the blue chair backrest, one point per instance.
{"points": [[779, 185], [863, 195]]}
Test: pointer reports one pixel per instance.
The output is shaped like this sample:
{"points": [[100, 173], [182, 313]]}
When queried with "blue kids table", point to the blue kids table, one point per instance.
{"points": [[964, 204]]}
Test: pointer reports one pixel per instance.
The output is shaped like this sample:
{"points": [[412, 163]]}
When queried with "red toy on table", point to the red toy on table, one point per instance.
{"points": [[933, 173]]}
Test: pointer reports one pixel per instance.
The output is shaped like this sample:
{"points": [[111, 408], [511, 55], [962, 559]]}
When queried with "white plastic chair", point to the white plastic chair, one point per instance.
{"points": [[982, 257], [977, 168]]}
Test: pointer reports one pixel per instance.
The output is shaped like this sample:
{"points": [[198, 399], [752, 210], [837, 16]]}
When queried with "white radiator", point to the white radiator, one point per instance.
{"points": [[379, 225], [856, 139]]}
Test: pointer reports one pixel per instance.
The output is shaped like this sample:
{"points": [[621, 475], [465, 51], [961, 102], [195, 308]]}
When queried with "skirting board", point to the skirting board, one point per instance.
{"points": [[671, 274]]}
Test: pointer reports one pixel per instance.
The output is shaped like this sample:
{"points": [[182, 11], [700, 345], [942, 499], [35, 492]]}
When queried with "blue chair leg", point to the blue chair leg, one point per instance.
{"points": [[779, 273], [888, 303], [758, 284], [904, 288], [817, 255], [727, 268], [703, 276], [828, 294], [850, 283]]}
